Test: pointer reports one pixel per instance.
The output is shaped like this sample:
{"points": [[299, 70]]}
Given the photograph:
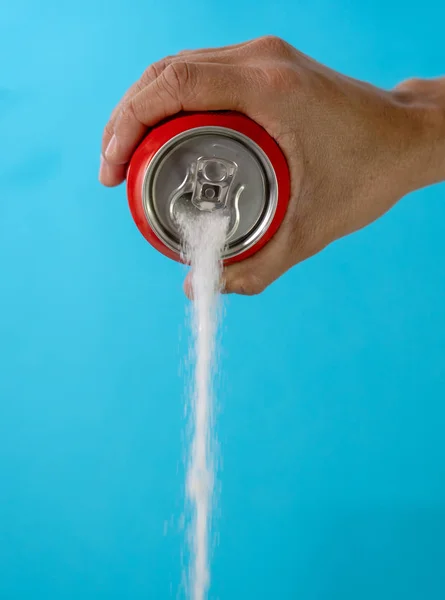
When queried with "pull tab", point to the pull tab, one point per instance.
{"points": [[213, 179]]}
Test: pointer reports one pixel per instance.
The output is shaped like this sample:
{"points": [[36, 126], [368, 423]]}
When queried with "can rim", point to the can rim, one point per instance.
{"points": [[236, 245], [163, 133]]}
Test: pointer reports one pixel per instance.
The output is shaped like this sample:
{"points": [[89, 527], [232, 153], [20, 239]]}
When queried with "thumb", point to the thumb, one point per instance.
{"points": [[253, 275]]}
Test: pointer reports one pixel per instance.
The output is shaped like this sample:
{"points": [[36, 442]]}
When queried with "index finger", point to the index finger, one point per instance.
{"points": [[182, 86]]}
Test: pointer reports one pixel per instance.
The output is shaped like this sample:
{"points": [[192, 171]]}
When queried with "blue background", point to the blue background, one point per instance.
{"points": [[333, 381]]}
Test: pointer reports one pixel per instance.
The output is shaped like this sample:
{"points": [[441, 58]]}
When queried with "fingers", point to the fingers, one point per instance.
{"points": [[109, 174], [109, 127], [112, 173], [222, 55], [147, 77], [116, 153], [182, 86]]}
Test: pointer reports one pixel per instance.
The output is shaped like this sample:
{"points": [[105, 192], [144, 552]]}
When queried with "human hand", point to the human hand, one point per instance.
{"points": [[353, 150]]}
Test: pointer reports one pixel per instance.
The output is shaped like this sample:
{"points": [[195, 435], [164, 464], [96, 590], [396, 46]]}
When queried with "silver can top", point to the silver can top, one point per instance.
{"points": [[206, 169]]}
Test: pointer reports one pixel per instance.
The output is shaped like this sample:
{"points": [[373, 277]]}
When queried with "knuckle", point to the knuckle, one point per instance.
{"points": [[176, 79], [127, 114], [274, 44], [154, 70]]}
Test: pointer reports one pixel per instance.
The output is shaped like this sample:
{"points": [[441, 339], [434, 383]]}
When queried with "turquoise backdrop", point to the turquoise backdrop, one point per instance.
{"points": [[332, 388]]}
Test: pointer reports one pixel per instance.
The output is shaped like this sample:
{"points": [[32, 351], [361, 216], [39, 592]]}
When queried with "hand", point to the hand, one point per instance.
{"points": [[353, 150]]}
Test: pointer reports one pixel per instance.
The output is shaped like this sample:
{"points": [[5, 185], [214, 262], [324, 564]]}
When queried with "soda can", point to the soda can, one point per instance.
{"points": [[205, 162]]}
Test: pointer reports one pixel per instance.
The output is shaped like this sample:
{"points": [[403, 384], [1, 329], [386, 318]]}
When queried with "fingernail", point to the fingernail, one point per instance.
{"points": [[111, 148], [101, 168], [107, 175]]}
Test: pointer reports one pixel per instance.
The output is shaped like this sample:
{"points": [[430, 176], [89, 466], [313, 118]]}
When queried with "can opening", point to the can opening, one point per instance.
{"points": [[210, 181]]}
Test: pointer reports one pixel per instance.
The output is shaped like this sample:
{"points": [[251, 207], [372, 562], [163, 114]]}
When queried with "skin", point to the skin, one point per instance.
{"points": [[353, 150]]}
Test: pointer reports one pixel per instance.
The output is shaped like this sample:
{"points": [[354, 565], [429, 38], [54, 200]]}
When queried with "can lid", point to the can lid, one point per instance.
{"points": [[205, 162]]}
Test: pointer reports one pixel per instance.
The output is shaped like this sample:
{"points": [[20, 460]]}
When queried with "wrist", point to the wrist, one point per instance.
{"points": [[423, 116]]}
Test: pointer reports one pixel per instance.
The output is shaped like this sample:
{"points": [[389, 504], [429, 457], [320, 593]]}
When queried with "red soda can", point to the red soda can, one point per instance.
{"points": [[207, 162]]}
